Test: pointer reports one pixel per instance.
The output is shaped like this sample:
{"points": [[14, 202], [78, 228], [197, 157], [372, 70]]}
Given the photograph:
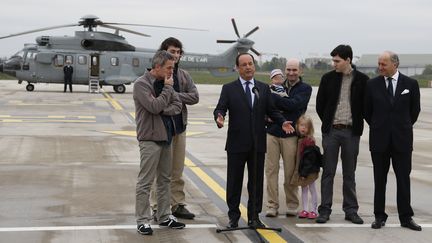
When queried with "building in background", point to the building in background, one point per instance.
{"points": [[318, 62]]}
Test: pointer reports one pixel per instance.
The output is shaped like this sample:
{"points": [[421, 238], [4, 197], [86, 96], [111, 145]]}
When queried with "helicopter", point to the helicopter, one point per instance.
{"points": [[106, 59]]}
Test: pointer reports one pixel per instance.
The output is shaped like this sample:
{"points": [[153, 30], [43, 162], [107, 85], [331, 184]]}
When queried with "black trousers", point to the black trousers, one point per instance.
{"points": [[236, 166], [401, 163], [66, 82]]}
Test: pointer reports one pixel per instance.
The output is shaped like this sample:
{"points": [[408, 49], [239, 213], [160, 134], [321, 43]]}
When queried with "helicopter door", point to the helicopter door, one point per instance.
{"points": [[94, 65]]}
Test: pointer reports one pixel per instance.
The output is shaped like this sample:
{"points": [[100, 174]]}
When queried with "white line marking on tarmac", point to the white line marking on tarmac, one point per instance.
{"points": [[353, 225], [96, 227]]}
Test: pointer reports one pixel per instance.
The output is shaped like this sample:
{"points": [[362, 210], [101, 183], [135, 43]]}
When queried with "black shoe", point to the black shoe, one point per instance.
{"points": [[233, 223], [172, 222], [145, 229], [411, 225], [256, 223], [322, 218], [182, 212], [354, 218], [378, 223]]}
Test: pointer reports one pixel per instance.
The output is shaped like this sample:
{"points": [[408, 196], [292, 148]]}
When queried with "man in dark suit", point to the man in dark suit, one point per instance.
{"points": [[392, 106], [248, 101], [68, 70]]}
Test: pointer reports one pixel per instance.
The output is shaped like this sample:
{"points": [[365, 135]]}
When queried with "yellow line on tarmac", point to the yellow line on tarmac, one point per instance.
{"points": [[112, 101], [210, 182]]}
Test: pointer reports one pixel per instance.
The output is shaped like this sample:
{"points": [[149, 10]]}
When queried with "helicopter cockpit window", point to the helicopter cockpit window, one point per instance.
{"points": [[135, 62], [59, 60], [69, 59], [114, 61], [82, 60]]}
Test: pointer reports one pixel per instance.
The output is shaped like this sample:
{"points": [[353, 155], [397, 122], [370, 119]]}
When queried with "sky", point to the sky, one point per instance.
{"points": [[290, 29]]}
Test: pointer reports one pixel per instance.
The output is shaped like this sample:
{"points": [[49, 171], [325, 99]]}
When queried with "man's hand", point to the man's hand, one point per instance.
{"points": [[220, 121], [169, 80], [288, 129]]}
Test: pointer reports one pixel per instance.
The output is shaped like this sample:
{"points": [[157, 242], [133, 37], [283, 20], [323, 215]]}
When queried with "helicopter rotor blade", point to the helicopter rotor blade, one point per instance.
{"points": [[38, 30], [225, 41], [123, 29], [156, 26], [255, 51], [251, 32], [235, 27]]}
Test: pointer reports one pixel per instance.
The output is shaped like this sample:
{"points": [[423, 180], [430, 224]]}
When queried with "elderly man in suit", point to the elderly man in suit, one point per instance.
{"points": [[248, 101], [392, 106]]}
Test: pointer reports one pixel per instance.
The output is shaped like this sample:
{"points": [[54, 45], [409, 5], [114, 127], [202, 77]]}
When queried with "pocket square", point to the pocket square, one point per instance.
{"points": [[405, 92]]}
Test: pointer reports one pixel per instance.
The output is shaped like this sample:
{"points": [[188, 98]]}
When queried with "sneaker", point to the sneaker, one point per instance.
{"points": [[172, 222], [145, 229], [182, 212], [303, 214], [312, 215], [271, 212]]}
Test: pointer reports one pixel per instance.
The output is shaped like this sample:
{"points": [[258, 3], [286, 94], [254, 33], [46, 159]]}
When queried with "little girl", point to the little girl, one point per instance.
{"points": [[309, 163]]}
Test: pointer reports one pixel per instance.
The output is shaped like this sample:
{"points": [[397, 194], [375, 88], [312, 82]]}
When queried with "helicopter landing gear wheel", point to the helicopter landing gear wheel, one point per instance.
{"points": [[30, 87], [119, 88]]}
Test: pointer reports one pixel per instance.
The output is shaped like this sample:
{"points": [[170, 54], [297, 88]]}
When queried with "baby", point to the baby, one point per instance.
{"points": [[277, 80]]}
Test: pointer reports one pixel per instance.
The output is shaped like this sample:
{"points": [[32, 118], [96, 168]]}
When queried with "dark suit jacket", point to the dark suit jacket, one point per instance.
{"points": [[328, 97], [391, 124], [241, 116], [68, 70]]}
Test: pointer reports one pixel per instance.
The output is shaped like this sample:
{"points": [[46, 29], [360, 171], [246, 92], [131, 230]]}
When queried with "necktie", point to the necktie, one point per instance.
{"points": [[390, 88], [248, 94]]}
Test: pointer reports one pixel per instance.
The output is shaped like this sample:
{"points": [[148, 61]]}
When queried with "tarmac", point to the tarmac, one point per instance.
{"points": [[69, 163]]}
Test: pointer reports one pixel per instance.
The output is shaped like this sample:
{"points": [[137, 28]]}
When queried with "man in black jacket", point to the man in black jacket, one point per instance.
{"points": [[339, 105]]}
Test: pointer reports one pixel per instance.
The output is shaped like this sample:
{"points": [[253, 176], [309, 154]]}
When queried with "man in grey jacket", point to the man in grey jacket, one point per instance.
{"points": [[188, 94], [155, 104]]}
